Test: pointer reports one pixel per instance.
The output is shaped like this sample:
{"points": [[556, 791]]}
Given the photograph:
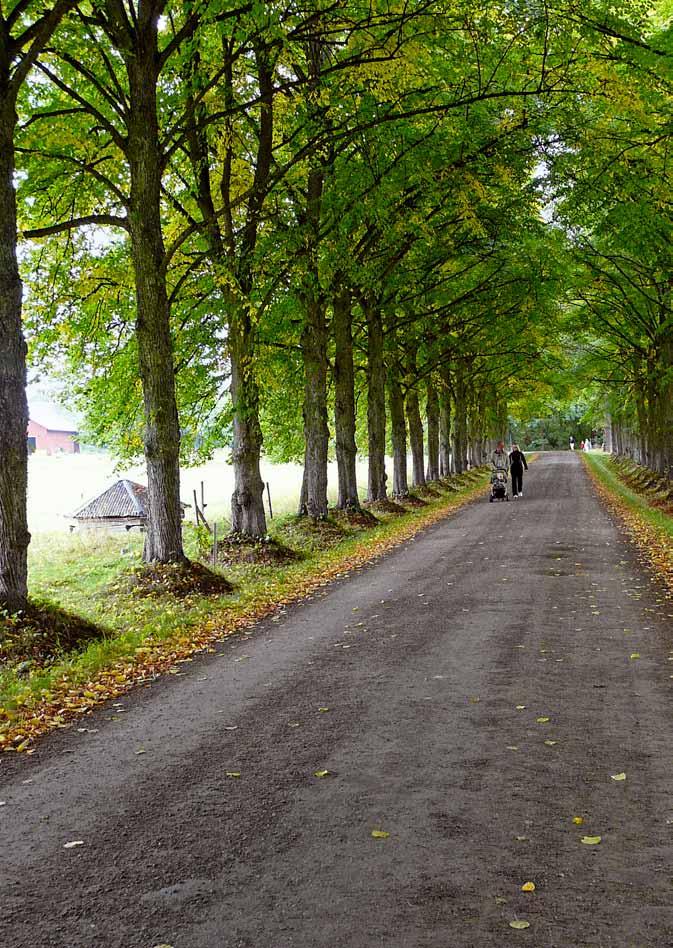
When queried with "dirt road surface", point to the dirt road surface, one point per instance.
{"points": [[470, 695]]}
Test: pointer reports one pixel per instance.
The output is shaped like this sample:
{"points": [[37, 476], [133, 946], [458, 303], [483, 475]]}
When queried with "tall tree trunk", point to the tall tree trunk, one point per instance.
{"points": [[344, 401], [163, 541], [398, 431], [14, 536], [376, 406], [445, 428], [432, 415], [415, 437], [316, 430], [460, 424], [247, 502]]}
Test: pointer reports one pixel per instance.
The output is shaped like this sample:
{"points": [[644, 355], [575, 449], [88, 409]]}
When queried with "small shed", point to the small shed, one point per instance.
{"points": [[120, 507]]}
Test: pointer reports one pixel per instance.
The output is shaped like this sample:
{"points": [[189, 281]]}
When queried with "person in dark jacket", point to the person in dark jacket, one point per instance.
{"points": [[517, 462]]}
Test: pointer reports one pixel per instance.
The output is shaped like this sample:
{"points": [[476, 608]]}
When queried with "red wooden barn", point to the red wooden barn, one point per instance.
{"points": [[51, 431]]}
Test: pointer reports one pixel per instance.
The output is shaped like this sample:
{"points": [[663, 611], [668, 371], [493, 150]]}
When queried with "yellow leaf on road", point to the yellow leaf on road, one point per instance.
{"points": [[233, 773], [578, 820], [380, 834], [75, 842], [321, 773], [634, 655], [621, 776], [542, 720], [519, 925], [521, 707], [551, 743], [528, 887], [591, 840], [323, 709]]}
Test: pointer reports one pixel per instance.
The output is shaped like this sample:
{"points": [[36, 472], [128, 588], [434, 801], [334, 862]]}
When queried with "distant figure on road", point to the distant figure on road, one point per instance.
{"points": [[587, 444], [581, 445], [572, 443], [499, 458], [517, 462]]}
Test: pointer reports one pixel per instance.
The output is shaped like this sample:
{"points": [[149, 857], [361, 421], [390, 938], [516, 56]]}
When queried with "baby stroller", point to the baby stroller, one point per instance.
{"points": [[498, 486]]}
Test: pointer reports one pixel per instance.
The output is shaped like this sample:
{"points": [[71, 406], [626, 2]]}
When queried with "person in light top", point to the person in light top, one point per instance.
{"points": [[499, 458]]}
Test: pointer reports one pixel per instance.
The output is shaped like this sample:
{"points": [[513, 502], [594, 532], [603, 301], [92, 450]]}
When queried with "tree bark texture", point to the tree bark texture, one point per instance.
{"points": [[432, 416], [316, 431], [163, 541], [415, 437], [445, 466], [460, 446], [344, 401], [398, 432], [247, 501], [14, 536], [376, 406]]}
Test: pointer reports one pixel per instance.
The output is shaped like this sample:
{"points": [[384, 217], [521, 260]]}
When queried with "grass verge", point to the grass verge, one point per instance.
{"points": [[143, 637], [649, 527]]}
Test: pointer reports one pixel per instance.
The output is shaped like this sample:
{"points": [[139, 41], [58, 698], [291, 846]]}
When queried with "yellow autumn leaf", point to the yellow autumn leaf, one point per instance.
{"points": [[233, 773], [634, 655], [519, 924], [380, 834], [321, 773], [551, 743], [591, 840], [578, 820], [621, 776], [528, 887], [323, 709], [542, 720]]}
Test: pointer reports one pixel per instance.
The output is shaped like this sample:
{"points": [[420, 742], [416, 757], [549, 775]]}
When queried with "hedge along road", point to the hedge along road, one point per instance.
{"points": [[423, 685]]}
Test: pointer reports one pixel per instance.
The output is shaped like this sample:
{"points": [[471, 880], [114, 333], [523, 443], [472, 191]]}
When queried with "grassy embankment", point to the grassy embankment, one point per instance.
{"points": [[139, 636], [643, 502]]}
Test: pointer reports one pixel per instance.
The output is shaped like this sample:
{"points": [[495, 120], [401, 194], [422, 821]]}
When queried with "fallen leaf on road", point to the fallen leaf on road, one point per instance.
{"points": [[233, 773], [551, 743], [528, 887], [591, 840], [323, 709], [293, 724], [75, 842], [380, 834], [542, 720], [141, 751], [231, 727], [499, 900], [521, 707], [634, 655], [474, 700], [321, 773], [519, 925], [578, 820], [621, 776], [521, 839], [512, 747]]}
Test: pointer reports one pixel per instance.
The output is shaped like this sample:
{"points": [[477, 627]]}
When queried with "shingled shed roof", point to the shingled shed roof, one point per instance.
{"points": [[123, 499]]}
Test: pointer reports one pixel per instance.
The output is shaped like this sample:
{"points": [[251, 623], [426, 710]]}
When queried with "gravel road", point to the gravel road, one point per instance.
{"points": [[469, 695]]}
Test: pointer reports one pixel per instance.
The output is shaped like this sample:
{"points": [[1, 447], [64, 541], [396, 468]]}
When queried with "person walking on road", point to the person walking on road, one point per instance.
{"points": [[499, 458], [572, 443], [517, 463]]}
